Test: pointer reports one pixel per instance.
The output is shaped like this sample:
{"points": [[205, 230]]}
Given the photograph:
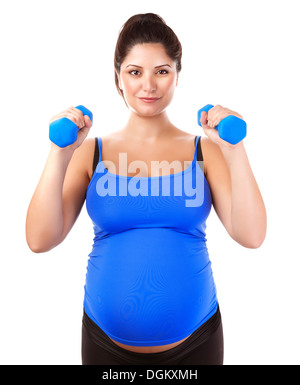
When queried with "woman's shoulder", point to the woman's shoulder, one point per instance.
{"points": [[84, 154], [209, 148], [212, 156]]}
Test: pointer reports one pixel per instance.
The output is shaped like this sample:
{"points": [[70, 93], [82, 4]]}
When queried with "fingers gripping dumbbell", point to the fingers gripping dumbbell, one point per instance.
{"points": [[231, 129], [63, 131]]}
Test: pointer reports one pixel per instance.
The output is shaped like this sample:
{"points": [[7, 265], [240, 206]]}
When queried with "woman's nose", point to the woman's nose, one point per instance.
{"points": [[149, 84]]}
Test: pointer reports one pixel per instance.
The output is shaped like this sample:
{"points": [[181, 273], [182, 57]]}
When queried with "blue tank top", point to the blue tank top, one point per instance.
{"points": [[149, 280]]}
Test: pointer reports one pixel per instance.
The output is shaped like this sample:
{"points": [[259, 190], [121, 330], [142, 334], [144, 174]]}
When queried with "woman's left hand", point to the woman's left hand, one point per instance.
{"points": [[211, 119]]}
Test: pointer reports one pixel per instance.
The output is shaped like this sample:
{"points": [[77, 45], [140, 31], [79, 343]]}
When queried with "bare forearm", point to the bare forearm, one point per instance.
{"points": [[44, 222], [248, 213]]}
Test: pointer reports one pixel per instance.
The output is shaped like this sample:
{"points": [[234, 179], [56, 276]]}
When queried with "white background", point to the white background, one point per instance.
{"points": [[243, 55]]}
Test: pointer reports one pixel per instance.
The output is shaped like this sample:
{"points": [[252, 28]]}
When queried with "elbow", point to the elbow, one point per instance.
{"points": [[258, 238], [33, 242], [36, 250], [38, 247], [253, 242], [35, 247], [41, 242]]}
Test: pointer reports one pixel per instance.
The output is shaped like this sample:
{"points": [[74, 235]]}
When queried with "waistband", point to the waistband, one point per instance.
{"points": [[197, 338]]}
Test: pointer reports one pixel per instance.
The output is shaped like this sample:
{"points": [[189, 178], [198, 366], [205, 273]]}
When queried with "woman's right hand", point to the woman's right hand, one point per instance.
{"points": [[83, 122]]}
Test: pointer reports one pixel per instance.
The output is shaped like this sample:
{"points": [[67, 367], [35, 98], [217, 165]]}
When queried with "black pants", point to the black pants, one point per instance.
{"points": [[203, 347]]}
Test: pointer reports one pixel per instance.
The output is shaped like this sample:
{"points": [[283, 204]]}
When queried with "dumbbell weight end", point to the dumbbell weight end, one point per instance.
{"points": [[63, 132]]}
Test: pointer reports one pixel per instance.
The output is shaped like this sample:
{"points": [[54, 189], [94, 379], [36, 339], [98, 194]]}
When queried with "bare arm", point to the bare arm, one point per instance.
{"points": [[59, 196], [44, 222], [236, 196], [60, 193], [248, 213]]}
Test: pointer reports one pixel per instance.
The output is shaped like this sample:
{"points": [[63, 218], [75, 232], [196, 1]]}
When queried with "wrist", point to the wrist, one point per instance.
{"points": [[233, 148], [231, 153], [61, 151], [62, 154]]}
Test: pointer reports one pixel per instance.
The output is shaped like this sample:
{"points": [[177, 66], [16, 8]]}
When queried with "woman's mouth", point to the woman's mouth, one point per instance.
{"points": [[149, 100]]}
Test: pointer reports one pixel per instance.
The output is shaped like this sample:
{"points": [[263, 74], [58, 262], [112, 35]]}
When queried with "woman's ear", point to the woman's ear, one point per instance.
{"points": [[177, 79], [120, 85], [119, 80]]}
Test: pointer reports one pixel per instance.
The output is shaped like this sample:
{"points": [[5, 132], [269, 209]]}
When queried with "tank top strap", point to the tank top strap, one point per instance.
{"points": [[198, 151], [97, 152], [100, 148]]}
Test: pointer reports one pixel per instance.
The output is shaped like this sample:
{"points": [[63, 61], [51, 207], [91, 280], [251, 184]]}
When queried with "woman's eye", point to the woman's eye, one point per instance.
{"points": [[133, 71], [165, 72]]}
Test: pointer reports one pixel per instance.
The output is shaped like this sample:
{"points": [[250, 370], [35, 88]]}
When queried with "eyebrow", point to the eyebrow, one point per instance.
{"points": [[162, 65]]}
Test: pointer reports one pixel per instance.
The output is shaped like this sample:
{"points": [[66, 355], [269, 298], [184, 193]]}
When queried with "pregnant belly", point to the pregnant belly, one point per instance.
{"points": [[149, 289]]}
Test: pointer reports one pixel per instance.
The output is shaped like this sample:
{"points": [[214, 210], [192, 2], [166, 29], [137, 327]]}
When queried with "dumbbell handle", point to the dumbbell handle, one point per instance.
{"points": [[63, 131], [231, 129]]}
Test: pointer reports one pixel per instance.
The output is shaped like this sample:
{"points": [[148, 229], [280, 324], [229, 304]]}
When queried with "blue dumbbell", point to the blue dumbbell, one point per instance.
{"points": [[232, 129], [63, 131]]}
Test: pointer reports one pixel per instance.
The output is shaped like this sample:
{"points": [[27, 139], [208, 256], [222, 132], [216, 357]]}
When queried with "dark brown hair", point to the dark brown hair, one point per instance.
{"points": [[145, 28]]}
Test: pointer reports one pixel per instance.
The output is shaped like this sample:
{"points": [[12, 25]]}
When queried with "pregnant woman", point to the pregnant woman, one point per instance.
{"points": [[150, 295]]}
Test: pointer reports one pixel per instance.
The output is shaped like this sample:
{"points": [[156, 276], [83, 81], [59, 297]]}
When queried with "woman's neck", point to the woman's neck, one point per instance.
{"points": [[148, 128]]}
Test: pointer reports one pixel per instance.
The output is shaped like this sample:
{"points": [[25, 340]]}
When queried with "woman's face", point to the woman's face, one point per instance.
{"points": [[148, 72]]}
